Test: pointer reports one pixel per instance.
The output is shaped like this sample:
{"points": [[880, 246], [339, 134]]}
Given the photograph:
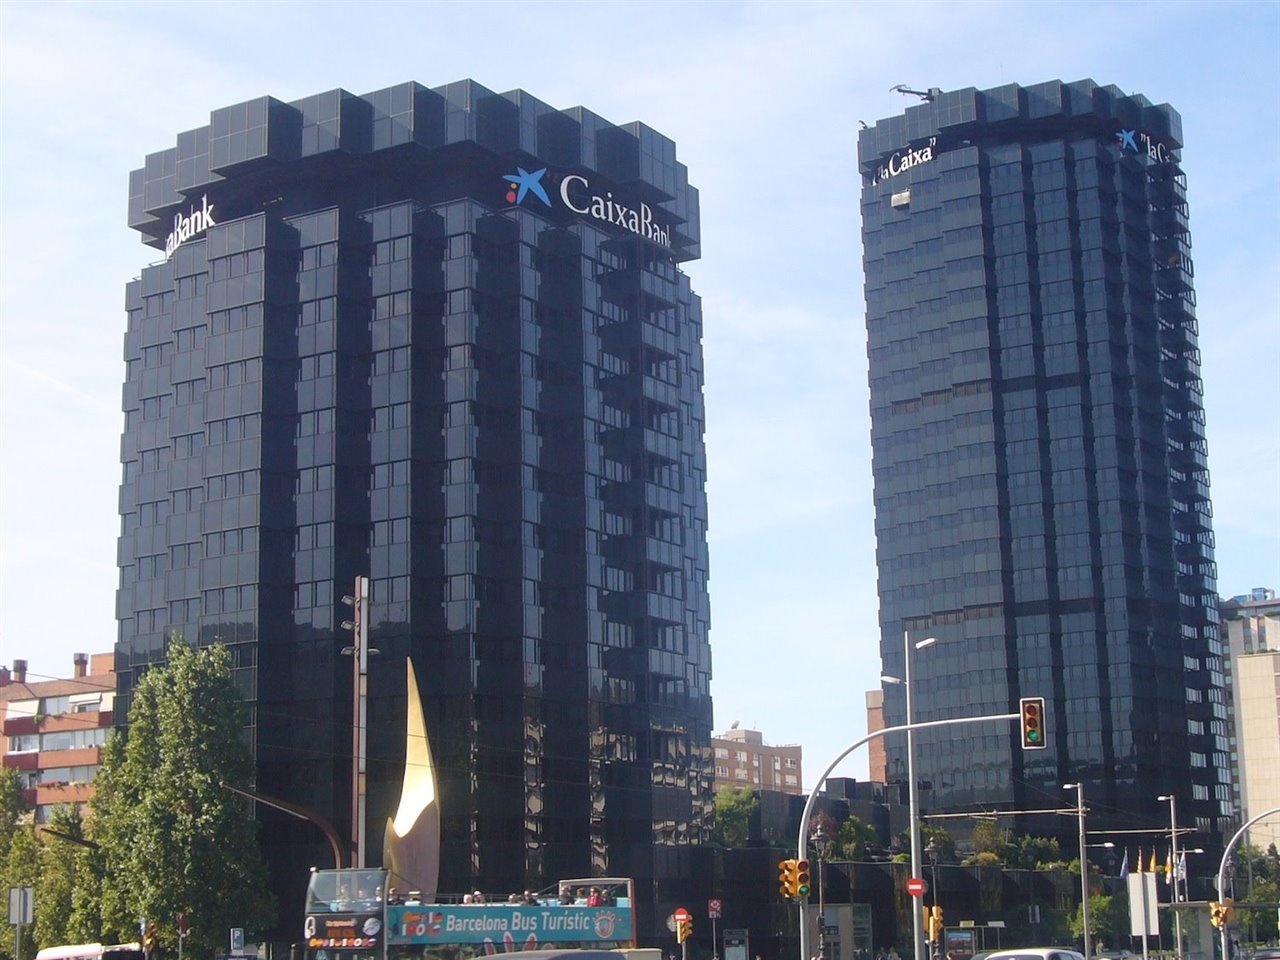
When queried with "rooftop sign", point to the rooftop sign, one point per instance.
{"points": [[184, 228], [577, 196]]}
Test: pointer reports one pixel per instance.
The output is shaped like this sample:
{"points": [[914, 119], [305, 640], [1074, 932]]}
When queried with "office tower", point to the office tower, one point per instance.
{"points": [[1041, 489], [1251, 631], [439, 338]]}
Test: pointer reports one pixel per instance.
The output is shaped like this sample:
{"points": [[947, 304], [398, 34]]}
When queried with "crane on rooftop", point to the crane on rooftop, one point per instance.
{"points": [[927, 95]]}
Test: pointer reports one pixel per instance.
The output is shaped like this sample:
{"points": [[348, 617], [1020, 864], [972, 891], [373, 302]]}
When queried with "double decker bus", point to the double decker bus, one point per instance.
{"points": [[353, 914]]}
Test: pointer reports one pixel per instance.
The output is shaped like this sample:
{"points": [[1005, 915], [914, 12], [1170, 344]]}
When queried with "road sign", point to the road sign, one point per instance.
{"points": [[671, 922], [916, 886], [682, 914], [713, 908]]}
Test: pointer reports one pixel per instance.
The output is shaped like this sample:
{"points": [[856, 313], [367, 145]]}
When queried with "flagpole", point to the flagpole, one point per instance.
{"points": [[1146, 923]]}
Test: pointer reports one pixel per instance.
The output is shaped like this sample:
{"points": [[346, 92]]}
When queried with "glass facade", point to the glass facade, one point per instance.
{"points": [[1041, 488], [441, 338]]}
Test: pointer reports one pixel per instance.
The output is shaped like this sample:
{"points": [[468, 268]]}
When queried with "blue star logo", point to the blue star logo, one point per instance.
{"points": [[525, 182], [1125, 137]]}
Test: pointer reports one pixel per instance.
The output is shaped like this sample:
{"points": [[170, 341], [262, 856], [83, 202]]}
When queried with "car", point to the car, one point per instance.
{"points": [[1266, 953], [1036, 953]]}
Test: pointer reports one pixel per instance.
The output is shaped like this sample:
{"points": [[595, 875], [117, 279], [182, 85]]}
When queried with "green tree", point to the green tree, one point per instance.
{"points": [[1034, 853], [63, 882], [21, 868], [173, 839], [12, 807], [735, 807], [989, 845], [1107, 919], [852, 840]]}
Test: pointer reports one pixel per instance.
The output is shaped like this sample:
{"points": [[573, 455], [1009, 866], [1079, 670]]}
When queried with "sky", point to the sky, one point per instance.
{"points": [[763, 102]]}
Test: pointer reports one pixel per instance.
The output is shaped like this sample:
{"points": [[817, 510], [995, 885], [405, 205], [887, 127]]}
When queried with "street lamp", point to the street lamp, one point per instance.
{"points": [[358, 650], [1173, 857], [1084, 865], [821, 844], [912, 798]]}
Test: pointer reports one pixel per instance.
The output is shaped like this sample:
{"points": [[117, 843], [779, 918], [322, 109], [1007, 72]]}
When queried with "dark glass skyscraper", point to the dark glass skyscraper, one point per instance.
{"points": [[441, 338], [1041, 489]]}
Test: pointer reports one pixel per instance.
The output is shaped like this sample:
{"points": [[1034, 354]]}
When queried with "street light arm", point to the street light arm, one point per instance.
{"points": [[803, 838]]}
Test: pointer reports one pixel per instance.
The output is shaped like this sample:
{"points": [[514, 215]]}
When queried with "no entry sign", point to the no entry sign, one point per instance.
{"points": [[916, 886]]}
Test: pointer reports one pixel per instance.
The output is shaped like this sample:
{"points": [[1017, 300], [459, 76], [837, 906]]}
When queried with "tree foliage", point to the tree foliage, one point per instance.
{"points": [[734, 808], [64, 882], [20, 869], [988, 838], [852, 840], [173, 840]]}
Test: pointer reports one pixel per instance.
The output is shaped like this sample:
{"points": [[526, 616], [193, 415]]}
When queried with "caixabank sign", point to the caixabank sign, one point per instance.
{"points": [[575, 193]]}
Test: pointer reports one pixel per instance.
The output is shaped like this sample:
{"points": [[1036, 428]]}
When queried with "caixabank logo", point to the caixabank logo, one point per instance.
{"points": [[1129, 140], [576, 195]]}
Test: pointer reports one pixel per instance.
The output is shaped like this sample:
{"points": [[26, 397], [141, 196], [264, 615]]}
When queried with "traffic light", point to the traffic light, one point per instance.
{"points": [[684, 930], [1216, 913], [802, 878], [149, 937], [1222, 914], [1032, 709], [935, 924], [787, 878]]}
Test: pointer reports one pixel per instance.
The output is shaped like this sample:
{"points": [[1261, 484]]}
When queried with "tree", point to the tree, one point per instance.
{"points": [[1032, 853], [21, 868], [1107, 919], [852, 839], [65, 882], [989, 839], [173, 839], [12, 806], [735, 807]]}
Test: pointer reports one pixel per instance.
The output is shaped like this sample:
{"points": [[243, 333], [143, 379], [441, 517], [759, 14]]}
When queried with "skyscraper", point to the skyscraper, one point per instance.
{"points": [[441, 338], [1041, 489]]}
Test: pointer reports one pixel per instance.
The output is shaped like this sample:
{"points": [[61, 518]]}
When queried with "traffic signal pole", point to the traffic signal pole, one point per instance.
{"points": [[802, 841], [1222, 875]]}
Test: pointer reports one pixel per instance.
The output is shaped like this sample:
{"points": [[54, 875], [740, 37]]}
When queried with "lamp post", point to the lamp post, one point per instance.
{"points": [[1084, 865], [912, 797], [1173, 859], [821, 843], [359, 652]]}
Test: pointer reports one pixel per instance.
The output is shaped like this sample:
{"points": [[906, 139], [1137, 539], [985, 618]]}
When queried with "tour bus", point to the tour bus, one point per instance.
{"points": [[93, 951], [352, 914]]}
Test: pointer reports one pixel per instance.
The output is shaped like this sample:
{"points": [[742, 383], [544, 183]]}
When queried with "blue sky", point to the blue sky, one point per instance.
{"points": [[763, 101]]}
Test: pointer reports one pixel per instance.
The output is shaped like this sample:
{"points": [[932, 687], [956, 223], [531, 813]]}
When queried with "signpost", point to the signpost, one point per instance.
{"points": [[713, 912], [917, 886], [21, 910]]}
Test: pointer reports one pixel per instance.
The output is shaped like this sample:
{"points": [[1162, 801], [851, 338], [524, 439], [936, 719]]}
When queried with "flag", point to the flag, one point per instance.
{"points": [[1168, 867], [1155, 864], [1182, 865], [1124, 865], [1139, 860]]}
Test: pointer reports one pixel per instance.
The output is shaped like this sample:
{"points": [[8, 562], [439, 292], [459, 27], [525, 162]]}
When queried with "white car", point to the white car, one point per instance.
{"points": [[1036, 953]]}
